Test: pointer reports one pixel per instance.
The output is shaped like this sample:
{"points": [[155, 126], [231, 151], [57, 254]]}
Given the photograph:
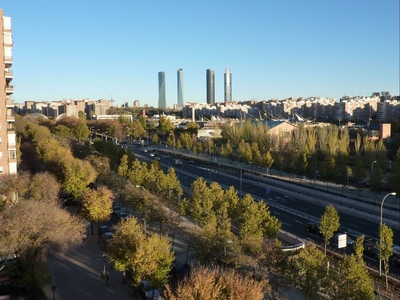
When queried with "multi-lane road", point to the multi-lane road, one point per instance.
{"points": [[293, 211]]}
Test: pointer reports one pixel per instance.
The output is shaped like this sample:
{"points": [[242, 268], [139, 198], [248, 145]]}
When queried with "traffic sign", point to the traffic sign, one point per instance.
{"points": [[342, 240]]}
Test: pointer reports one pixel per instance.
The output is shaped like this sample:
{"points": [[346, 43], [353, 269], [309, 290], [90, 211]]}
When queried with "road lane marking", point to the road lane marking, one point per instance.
{"points": [[276, 213], [298, 221], [287, 224]]}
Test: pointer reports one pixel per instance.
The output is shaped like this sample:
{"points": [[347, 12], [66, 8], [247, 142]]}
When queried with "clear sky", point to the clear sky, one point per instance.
{"points": [[275, 49]]}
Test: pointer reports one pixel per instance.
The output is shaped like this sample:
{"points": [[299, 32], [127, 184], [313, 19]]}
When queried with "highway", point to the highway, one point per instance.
{"points": [[293, 211]]}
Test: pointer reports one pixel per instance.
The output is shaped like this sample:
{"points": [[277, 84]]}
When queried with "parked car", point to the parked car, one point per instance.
{"points": [[313, 227], [107, 237], [122, 216], [148, 292], [371, 250]]}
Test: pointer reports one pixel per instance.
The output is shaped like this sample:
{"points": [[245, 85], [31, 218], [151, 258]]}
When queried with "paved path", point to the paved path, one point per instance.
{"points": [[76, 275]]}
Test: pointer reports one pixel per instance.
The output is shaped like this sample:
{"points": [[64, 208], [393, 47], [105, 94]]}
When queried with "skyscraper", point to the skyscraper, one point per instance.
{"points": [[228, 85], [180, 87], [162, 102], [8, 145], [210, 76]]}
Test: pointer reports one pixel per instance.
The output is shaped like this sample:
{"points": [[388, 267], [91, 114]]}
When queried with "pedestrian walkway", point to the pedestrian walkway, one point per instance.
{"points": [[76, 275]]}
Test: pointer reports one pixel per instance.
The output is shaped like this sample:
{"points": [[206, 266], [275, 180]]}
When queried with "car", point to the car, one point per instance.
{"points": [[368, 239], [349, 240], [145, 150], [179, 270], [371, 250], [148, 292], [157, 158], [313, 227], [152, 154], [122, 216], [396, 260], [107, 237], [104, 229]]}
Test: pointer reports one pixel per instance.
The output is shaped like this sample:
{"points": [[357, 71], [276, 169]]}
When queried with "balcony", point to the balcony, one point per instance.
{"points": [[10, 104], [9, 89], [8, 75], [8, 61], [10, 119]]}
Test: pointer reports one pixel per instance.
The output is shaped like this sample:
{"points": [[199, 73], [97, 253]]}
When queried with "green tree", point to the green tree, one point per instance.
{"points": [[81, 131], [147, 256], [329, 223], [268, 160], [351, 281], [244, 152], [359, 247], [97, 206], [226, 149], [385, 247], [308, 271]]}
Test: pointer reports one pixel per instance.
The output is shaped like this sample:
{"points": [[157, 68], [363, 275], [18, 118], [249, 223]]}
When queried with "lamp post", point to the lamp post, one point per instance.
{"points": [[372, 167], [241, 171], [380, 240], [104, 267], [53, 288]]}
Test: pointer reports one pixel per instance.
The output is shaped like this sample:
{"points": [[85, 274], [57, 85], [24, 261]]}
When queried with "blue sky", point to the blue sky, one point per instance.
{"points": [[275, 49]]}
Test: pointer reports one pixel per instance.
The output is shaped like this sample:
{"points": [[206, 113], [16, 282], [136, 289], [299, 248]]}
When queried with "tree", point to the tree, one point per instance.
{"points": [[385, 247], [351, 281], [359, 248], [268, 160], [31, 230], [146, 256], [329, 223], [207, 284], [226, 150], [308, 271], [97, 206]]}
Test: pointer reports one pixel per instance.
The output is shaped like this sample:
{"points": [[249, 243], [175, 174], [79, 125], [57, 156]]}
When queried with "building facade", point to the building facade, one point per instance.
{"points": [[180, 87], [210, 82], [228, 85], [162, 102], [8, 145]]}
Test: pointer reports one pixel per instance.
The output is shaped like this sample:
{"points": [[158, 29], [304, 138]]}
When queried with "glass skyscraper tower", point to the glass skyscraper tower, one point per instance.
{"points": [[162, 102], [228, 85], [210, 76], [180, 87]]}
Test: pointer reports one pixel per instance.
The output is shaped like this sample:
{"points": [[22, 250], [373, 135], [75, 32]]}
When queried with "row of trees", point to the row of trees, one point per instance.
{"points": [[33, 224]]}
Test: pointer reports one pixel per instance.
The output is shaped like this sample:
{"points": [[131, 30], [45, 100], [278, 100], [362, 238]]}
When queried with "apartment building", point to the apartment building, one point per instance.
{"points": [[8, 145]]}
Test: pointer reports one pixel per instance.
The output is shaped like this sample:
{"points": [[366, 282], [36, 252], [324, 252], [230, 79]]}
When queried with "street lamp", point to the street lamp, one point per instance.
{"points": [[380, 241], [53, 288], [372, 167]]}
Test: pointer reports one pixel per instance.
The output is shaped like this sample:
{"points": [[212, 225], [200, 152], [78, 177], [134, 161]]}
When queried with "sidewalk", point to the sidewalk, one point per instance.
{"points": [[76, 274]]}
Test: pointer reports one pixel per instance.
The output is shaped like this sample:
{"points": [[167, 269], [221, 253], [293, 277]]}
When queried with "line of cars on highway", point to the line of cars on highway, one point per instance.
{"points": [[370, 243]]}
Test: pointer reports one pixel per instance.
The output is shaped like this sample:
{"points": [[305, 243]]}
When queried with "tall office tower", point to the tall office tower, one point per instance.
{"points": [[136, 103], [162, 102], [210, 86], [8, 145], [180, 87], [228, 85]]}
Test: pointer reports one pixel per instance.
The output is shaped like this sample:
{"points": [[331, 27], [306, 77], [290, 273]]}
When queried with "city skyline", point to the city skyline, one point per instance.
{"points": [[326, 49]]}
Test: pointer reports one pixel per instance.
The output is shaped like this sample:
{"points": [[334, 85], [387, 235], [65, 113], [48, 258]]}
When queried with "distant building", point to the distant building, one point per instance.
{"points": [[8, 145], [210, 83], [228, 85], [136, 103], [162, 102], [180, 87]]}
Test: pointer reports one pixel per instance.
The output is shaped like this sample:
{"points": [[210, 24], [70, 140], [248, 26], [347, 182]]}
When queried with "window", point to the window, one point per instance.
{"points": [[1, 154], [12, 154], [1, 140], [1, 169]]}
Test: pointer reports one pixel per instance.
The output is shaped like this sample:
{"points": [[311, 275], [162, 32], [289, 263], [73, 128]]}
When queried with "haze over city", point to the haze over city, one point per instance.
{"points": [[274, 49]]}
